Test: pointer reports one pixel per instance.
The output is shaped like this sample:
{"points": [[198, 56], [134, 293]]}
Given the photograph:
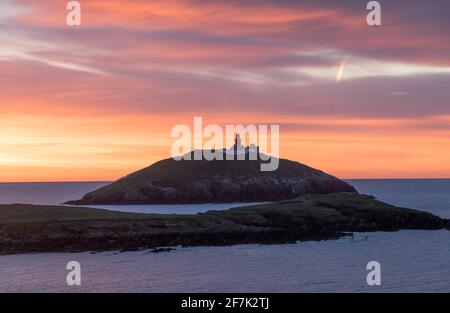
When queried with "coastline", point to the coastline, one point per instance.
{"points": [[320, 217]]}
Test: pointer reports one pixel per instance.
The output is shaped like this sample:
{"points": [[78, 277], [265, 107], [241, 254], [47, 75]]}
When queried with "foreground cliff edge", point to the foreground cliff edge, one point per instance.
{"points": [[28, 228]]}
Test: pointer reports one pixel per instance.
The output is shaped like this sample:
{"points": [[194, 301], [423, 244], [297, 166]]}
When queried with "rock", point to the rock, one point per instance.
{"points": [[160, 250]]}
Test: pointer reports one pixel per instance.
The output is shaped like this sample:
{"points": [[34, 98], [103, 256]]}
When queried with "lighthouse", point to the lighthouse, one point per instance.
{"points": [[238, 142]]}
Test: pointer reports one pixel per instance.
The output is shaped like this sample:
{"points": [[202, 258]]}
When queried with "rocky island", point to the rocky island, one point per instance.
{"points": [[301, 203], [28, 228], [218, 181]]}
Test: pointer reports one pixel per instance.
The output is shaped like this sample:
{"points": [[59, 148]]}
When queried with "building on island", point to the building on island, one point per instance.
{"points": [[241, 152]]}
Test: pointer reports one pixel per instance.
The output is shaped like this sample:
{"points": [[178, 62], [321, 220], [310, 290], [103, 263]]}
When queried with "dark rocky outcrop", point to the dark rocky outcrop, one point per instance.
{"points": [[25, 228], [170, 182]]}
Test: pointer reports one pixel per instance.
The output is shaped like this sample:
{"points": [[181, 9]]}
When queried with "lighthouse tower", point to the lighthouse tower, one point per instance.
{"points": [[238, 141], [238, 147]]}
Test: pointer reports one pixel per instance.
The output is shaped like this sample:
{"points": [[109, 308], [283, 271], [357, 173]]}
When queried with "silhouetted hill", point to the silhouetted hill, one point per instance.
{"points": [[181, 182]]}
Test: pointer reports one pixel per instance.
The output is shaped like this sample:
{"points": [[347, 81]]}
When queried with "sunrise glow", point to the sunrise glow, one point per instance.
{"points": [[99, 101]]}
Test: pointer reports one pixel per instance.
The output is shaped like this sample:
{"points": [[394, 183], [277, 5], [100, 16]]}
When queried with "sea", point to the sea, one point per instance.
{"points": [[410, 260]]}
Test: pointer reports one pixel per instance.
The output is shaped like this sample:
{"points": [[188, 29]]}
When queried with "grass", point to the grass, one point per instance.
{"points": [[18, 213], [324, 205], [310, 205]]}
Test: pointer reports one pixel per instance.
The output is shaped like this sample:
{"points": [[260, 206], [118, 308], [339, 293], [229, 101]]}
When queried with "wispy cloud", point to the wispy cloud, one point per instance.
{"points": [[165, 60]]}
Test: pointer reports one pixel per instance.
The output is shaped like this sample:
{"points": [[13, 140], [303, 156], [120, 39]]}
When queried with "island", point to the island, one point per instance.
{"points": [[184, 181], [29, 228]]}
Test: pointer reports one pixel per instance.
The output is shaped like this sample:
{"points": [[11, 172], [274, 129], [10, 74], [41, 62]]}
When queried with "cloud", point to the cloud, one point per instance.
{"points": [[161, 62]]}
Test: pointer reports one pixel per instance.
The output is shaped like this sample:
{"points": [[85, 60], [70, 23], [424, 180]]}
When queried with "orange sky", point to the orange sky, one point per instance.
{"points": [[99, 101]]}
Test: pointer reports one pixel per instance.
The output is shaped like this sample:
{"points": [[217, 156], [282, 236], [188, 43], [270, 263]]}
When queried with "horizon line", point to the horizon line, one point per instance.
{"points": [[110, 181]]}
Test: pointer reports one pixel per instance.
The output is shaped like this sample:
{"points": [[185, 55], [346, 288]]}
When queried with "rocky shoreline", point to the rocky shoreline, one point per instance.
{"points": [[320, 217]]}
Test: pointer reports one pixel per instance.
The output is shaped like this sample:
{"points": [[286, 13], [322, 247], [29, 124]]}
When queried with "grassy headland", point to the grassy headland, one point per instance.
{"points": [[29, 228]]}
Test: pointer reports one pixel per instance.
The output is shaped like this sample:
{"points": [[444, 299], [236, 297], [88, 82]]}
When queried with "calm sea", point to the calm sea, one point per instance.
{"points": [[58, 193], [412, 261]]}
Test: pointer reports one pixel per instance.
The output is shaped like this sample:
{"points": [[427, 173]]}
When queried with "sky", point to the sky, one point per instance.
{"points": [[97, 101]]}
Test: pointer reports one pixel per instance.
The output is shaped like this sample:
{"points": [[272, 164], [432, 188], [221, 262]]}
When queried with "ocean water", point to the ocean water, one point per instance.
{"points": [[411, 261], [58, 193], [431, 195], [45, 193]]}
